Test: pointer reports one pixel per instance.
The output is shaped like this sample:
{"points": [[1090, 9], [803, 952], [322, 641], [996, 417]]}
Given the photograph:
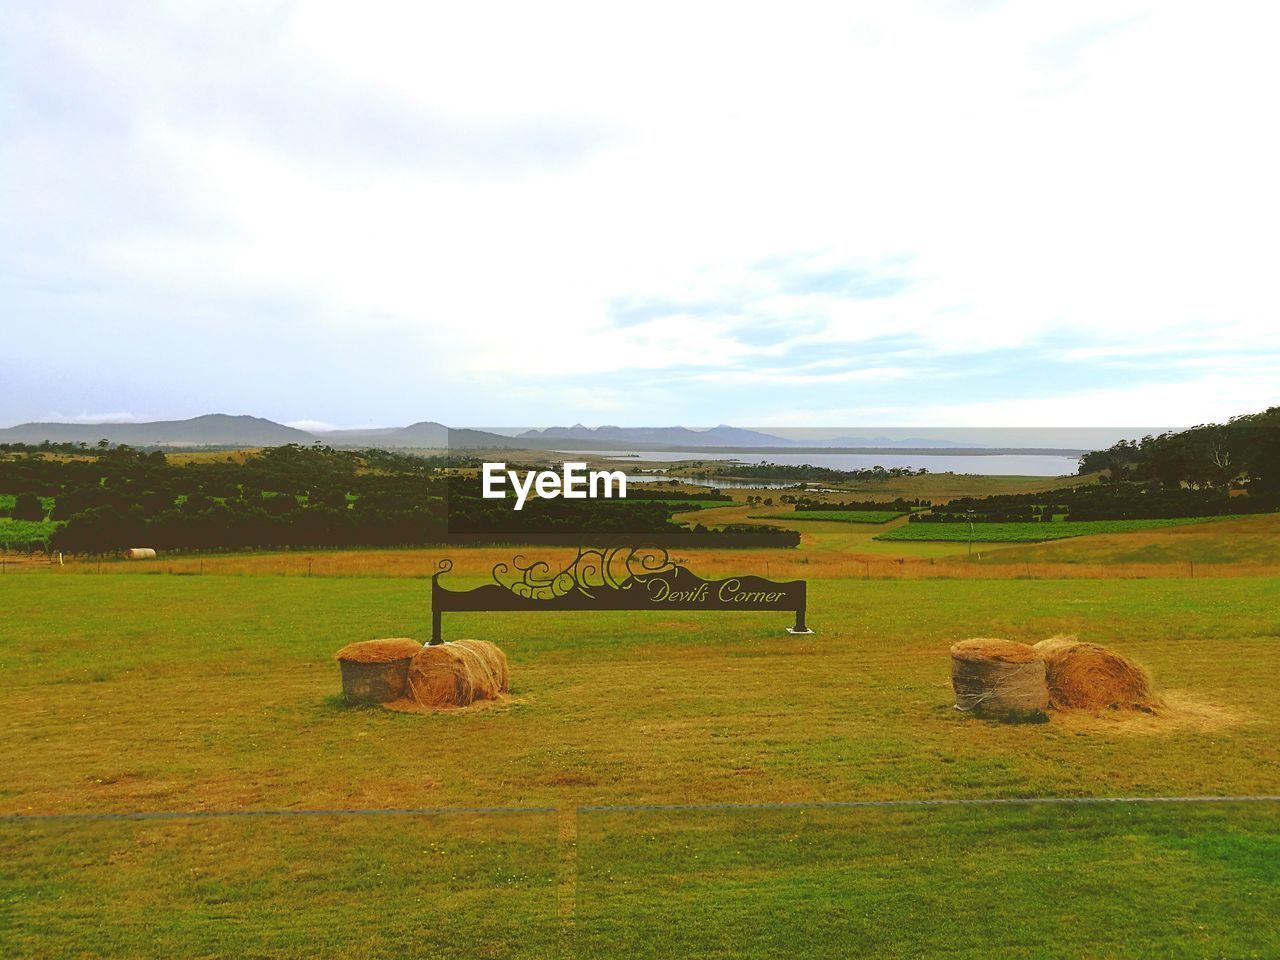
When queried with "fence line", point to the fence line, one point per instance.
{"points": [[637, 807], [215, 814]]}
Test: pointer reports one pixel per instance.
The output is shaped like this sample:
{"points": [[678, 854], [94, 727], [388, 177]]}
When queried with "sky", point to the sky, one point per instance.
{"points": [[940, 214]]}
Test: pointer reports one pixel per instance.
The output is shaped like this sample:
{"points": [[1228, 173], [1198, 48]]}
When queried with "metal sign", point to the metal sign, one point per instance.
{"points": [[619, 578]]}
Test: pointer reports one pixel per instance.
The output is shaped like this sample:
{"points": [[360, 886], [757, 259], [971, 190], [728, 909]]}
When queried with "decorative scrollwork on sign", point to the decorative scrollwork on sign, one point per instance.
{"points": [[617, 568], [607, 580]]}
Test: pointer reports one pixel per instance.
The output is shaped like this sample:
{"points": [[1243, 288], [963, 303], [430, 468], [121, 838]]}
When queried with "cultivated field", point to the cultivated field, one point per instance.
{"points": [[1016, 532], [842, 516]]}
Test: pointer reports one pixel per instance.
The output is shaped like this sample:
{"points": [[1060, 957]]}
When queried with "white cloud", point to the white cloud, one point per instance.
{"points": [[1205, 399], [477, 188]]}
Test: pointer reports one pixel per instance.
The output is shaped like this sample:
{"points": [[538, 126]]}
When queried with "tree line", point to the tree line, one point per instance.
{"points": [[1243, 453], [108, 498]]}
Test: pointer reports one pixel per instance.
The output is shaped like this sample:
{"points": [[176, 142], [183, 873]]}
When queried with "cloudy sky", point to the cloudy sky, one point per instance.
{"points": [[781, 214]]}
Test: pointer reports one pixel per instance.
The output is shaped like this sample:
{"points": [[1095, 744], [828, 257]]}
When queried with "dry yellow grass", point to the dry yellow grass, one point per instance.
{"points": [[479, 562]]}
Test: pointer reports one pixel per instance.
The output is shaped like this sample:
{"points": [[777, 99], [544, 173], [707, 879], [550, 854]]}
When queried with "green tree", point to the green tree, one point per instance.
{"points": [[28, 507]]}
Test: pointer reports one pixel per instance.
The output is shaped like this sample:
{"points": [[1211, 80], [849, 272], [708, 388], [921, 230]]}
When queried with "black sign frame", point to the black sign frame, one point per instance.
{"points": [[616, 578]]}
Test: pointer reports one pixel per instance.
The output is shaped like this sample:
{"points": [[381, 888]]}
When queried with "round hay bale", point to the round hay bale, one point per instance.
{"points": [[376, 671], [997, 676], [1087, 676], [441, 676], [492, 676], [456, 674]]}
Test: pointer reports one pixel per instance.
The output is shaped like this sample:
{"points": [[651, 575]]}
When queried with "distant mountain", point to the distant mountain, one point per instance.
{"points": [[222, 430], [211, 430], [426, 434], [720, 436]]}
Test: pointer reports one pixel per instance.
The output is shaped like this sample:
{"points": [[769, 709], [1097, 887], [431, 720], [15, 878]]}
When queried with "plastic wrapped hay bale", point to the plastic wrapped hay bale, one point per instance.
{"points": [[998, 677], [376, 671], [1090, 677]]}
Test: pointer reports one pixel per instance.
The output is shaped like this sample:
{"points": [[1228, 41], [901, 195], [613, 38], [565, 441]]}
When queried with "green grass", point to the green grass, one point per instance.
{"points": [[839, 516], [971, 884], [1027, 532], [1251, 540], [141, 691], [359, 887]]}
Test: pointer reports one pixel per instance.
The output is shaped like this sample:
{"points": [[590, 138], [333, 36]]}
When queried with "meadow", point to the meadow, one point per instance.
{"points": [[133, 693]]}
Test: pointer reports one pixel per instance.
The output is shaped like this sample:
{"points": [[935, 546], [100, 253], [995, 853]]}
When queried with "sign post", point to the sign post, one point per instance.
{"points": [[619, 578]]}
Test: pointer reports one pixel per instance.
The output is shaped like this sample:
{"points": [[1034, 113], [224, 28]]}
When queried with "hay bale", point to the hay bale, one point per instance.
{"points": [[440, 676], [456, 674], [379, 651], [491, 672], [1087, 676], [376, 671], [994, 676]]}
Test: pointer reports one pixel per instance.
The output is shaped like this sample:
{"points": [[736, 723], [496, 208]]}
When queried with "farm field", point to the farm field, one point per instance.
{"points": [[1229, 540], [838, 516], [163, 693], [1229, 547], [939, 487], [1028, 532]]}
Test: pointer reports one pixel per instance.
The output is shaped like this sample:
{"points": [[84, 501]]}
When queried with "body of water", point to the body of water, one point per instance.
{"points": [[1002, 464]]}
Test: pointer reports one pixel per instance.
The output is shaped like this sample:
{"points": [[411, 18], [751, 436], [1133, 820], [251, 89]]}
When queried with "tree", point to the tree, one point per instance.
{"points": [[28, 507]]}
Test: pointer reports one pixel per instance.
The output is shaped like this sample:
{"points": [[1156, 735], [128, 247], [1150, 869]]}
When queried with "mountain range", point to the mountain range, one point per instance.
{"points": [[223, 430], [211, 430]]}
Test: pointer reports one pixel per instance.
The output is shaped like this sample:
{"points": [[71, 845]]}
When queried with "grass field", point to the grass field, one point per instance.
{"points": [[1186, 881], [158, 693], [1233, 540], [838, 516], [1028, 532], [1021, 882]]}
